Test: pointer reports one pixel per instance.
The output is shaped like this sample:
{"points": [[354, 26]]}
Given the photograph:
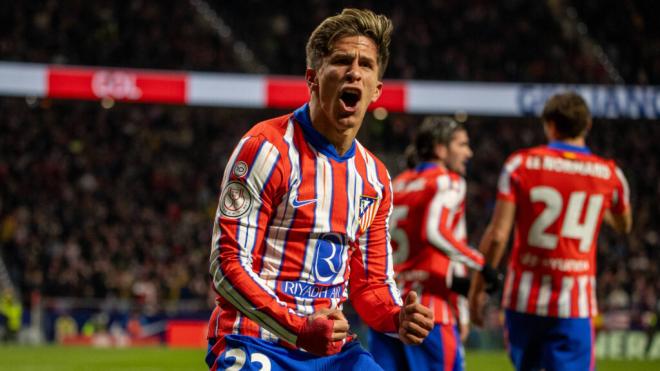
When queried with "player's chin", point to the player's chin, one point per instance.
{"points": [[349, 121]]}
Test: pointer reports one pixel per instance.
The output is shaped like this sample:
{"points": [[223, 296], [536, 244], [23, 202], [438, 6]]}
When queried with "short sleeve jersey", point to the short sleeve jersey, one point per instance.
{"points": [[561, 193]]}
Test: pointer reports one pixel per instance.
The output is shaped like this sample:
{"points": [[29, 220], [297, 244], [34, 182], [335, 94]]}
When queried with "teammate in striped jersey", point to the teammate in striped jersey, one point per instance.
{"points": [[302, 222], [431, 252], [557, 195]]}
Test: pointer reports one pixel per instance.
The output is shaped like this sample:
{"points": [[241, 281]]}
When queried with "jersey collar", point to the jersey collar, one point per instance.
{"points": [[317, 139], [425, 166], [555, 144]]}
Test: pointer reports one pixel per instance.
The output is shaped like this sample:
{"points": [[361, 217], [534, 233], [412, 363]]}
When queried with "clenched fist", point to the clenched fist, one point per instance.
{"points": [[324, 332], [415, 321]]}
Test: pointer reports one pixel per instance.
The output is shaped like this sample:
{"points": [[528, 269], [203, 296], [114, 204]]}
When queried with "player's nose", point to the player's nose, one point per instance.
{"points": [[353, 73]]}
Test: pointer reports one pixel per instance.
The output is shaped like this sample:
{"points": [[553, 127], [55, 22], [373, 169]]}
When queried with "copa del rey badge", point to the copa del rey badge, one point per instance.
{"points": [[367, 212], [235, 200]]}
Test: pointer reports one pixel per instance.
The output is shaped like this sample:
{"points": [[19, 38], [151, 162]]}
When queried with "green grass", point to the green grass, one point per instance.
{"points": [[499, 361], [57, 358]]}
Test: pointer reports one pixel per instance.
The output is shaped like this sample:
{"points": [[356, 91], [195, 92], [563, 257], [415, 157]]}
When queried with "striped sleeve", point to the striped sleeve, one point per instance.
{"points": [[373, 291], [252, 184], [438, 231]]}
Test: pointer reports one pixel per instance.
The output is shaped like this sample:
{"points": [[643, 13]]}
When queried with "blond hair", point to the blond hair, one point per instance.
{"points": [[351, 22]]}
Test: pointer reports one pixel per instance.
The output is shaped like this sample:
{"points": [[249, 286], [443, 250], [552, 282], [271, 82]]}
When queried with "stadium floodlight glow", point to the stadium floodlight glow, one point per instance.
{"points": [[380, 113]]}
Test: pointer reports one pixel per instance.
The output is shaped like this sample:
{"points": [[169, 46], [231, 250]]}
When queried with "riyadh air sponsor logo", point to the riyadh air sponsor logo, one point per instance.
{"points": [[116, 84], [235, 200], [310, 291], [328, 257]]}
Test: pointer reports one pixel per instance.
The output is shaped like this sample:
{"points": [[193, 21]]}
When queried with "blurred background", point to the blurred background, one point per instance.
{"points": [[117, 118]]}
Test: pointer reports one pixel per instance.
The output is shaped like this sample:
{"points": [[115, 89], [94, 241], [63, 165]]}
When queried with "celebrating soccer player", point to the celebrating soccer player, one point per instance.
{"points": [[302, 221], [557, 195], [429, 234]]}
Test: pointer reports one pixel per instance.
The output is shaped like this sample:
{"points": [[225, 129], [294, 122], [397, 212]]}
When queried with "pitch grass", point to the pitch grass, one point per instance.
{"points": [[57, 358]]}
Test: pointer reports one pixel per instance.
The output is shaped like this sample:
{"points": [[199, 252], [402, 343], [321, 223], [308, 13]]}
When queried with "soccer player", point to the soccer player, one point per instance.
{"points": [[557, 195], [429, 234], [302, 221]]}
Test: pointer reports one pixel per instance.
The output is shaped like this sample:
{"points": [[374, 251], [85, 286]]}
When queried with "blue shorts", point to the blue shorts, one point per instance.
{"points": [[441, 350], [549, 343], [247, 353]]}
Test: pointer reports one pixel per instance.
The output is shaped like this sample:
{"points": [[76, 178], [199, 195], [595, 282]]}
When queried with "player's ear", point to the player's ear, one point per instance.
{"points": [[377, 92], [311, 79]]}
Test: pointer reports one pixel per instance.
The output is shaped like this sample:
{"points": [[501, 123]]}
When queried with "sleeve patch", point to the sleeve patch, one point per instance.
{"points": [[240, 169], [235, 200]]}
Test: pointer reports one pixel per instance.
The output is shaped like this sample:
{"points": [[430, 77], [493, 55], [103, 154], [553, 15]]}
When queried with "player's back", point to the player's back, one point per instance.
{"points": [[414, 191], [561, 193]]}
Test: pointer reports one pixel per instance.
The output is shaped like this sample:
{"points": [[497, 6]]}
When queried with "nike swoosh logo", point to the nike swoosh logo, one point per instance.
{"points": [[296, 203]]}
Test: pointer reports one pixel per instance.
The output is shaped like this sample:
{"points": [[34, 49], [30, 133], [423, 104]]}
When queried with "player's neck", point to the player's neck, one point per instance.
{"points": [[576, 142], [441, 164]]}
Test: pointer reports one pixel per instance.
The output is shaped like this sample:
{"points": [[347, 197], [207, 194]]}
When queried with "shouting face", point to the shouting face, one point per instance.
{"points": [[342, 88]]}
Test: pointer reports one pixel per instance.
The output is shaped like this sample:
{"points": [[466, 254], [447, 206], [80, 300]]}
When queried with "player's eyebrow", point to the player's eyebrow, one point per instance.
{"points": [[350, 55]]}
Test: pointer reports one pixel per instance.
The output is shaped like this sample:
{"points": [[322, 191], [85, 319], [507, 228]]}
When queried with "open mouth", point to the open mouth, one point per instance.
{"points": [[350, 98]]}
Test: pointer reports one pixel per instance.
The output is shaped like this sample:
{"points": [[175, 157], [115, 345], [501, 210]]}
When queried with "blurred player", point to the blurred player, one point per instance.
{"points": [[302, 221], [557, 195], [429, 234]]}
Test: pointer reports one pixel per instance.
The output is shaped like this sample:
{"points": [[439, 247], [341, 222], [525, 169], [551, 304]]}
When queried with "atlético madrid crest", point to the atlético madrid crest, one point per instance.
{"points": [[235, 200], [368, 208]]}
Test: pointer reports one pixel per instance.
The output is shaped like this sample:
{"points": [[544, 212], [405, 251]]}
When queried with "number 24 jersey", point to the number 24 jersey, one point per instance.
{"points": [[561, 193]]}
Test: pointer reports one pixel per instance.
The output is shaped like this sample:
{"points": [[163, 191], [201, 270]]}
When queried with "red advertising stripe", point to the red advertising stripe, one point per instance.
{"points": [[69, 83], [393, 97], [286, 92], [124, 85], [293, 92]]}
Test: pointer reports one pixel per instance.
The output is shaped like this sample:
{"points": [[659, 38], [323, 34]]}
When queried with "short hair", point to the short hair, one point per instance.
{"points": [[433, 131], [351, 22], [570, 114]]}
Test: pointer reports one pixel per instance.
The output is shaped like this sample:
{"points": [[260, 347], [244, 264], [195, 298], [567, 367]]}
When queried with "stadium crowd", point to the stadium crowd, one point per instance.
{"points": [[512, 40], [117, 203]]}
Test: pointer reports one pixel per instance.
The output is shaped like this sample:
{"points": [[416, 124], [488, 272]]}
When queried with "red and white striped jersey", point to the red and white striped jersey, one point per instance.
{"points": [[299, 228], [561, 193], [429, 237]]}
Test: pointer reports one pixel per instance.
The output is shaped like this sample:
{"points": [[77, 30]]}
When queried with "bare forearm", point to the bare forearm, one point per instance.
{"points": [[621, 223]]}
